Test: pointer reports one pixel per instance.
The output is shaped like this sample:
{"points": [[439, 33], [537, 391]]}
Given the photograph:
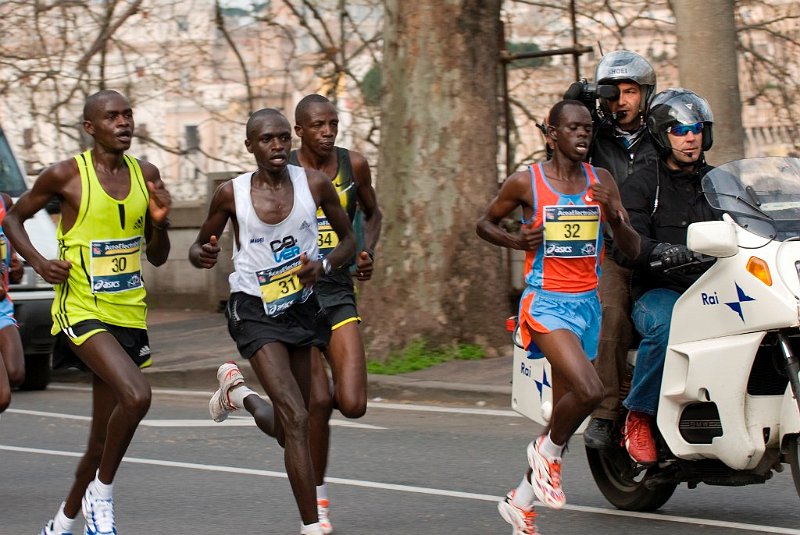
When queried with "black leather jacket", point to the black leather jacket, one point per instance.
{"points": [[609, 151], [662, 203]]}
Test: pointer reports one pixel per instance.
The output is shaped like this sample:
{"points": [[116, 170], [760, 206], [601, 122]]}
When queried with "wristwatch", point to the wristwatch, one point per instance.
{"points": [[326, 266]]}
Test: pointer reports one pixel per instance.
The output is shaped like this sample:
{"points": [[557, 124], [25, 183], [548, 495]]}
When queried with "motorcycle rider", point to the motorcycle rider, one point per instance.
{"points": [[662, 201], [622, 145]]}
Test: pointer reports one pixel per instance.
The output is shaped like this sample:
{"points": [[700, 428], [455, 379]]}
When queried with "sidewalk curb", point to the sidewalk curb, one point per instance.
{"points": [[390, 388]]}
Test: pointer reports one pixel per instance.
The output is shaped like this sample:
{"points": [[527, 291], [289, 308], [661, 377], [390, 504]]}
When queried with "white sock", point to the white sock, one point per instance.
{"points": [[311, 529], [523, 496], [550, 448], [103, 491], [322, 492], [62, 523], [237, 395]]}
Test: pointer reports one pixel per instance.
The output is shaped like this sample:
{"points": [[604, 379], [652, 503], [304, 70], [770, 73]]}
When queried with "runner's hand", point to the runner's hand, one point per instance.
{"points": [[530, 237], [160, 202], [364, 266], [54, 271], [309, 272], [208, 253]]}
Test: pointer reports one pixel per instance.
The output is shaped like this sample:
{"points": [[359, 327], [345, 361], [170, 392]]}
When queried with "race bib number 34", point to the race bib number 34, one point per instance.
{"points": [[116, 265], [571, 231], [327, 239]]}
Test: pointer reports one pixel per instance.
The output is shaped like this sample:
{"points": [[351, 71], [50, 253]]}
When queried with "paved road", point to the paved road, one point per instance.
{"points": [[400, 470]]}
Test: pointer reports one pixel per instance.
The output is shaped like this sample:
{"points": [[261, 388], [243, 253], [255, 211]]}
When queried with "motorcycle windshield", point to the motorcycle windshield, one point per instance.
{"points": [[761, 194]]}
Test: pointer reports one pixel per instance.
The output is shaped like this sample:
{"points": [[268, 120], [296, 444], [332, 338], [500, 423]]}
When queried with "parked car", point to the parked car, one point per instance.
{"points": [[32, 296]]}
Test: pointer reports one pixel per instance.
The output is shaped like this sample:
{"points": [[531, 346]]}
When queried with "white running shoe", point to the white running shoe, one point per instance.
{"points": [[323, 512], [220, 406], [49, 529], [521, 520], [99, 513], [304, 530], [546, 476]]}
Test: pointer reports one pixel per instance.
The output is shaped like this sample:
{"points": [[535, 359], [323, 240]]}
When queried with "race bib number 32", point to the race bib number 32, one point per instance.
{"points": [[116, 265], [571, 231]]}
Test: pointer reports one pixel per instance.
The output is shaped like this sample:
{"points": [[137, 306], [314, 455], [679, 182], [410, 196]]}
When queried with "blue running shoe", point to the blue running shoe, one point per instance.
{"points": [[99, 513], [49, 529]]}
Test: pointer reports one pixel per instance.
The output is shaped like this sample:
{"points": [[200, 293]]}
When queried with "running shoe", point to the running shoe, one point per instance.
{"points": [[99, 514], [638, 438], [521, 520], [323, 512], [49, 529], [304, 530], [546, 476], [220, 406]]}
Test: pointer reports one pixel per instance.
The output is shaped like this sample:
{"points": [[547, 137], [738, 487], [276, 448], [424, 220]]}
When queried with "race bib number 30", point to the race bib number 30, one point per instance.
{"points": [[116, 265], [280, 287], [571, 231], [327, 239]]}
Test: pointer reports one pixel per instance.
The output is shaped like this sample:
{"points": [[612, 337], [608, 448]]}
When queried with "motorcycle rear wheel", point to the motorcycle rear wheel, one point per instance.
{"points": [[794, 461], [623, 492]]}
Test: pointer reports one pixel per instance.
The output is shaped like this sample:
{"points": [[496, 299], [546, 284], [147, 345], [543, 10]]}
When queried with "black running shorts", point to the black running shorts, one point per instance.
{"points": [[134, 341], [302, 325], [337, 296]]}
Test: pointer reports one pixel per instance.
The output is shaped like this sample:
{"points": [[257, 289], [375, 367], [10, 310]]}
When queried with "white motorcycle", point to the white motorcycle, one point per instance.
{"points": [[729, 409]]}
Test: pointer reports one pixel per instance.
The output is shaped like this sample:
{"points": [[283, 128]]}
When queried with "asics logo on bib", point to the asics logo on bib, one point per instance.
{"points": [[285, 249], [553, 249], [106, 285]]}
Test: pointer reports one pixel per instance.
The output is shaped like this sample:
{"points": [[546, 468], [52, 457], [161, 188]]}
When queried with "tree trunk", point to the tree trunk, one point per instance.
{"points": [[435, 279], [707, 61]]}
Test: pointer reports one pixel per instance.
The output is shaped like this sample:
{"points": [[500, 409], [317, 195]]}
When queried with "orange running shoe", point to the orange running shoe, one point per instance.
{"points": [[521, 520], [323, 512], [546, 476]]}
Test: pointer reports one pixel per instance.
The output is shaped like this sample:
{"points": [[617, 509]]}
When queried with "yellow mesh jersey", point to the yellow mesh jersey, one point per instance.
{"points": [[105, 247]]}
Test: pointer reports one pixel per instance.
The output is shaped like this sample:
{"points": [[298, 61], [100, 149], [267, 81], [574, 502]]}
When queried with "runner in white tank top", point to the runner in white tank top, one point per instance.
{"points": [[273, 315], [267, 257]]}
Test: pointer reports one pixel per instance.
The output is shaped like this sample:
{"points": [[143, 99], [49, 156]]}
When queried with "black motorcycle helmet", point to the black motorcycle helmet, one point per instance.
{"points": [[626, 66], [678, 106]]}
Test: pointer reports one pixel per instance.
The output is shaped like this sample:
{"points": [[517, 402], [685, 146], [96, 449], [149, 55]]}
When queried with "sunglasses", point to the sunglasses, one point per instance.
{"points": [[681, 130]]}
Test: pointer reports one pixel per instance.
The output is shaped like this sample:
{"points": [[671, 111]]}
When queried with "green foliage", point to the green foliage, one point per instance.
{"points": [[371, 85], [522, 48], [417, 356]]}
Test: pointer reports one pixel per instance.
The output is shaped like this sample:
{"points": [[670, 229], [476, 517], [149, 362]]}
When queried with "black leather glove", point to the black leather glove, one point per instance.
{"points": [[666, 255]]}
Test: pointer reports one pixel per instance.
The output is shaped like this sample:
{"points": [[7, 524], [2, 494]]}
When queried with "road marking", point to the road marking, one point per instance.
{"points": [[236, 421], [371, 404], [424, 490]]}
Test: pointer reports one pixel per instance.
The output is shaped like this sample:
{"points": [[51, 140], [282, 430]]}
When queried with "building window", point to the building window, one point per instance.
{"points": [[192, 136]]}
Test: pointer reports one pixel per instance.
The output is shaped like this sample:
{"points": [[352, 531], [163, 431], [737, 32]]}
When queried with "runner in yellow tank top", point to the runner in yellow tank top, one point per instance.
{"points": [[111, 206]]}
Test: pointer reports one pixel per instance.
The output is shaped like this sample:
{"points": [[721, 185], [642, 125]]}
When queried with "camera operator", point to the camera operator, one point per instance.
{"points": [[662, 200], [625, 84]]}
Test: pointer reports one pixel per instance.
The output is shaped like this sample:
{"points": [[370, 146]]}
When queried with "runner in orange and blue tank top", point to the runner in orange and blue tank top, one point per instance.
{"points": [[567, 207], [567, 263], [12, 360]]}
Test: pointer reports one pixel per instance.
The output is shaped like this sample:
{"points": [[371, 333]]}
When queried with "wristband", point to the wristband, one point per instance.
{"points": [[163, 226], [371, 253]]}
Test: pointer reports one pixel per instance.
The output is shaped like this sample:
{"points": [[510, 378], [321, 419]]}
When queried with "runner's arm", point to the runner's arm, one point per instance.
{"points": [[52, 182], [203, 252], [156, 222], [368, 202], [514, 192]]}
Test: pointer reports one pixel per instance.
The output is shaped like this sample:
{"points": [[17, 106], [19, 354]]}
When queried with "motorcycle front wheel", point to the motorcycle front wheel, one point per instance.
{"points": [[612, 470], [794, 461]]}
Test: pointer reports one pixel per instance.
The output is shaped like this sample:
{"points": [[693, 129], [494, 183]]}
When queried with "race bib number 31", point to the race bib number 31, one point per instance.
{"points": [[116, 265], [571, 231], [280, 287]]}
